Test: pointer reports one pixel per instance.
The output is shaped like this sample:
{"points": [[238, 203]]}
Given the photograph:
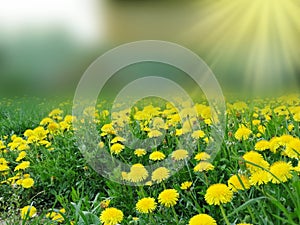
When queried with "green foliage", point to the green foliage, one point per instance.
{"points": [[63, 179]]}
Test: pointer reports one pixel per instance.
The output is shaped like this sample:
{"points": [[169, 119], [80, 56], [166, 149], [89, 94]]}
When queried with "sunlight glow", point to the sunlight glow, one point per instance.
{"points": [[261, 35]]}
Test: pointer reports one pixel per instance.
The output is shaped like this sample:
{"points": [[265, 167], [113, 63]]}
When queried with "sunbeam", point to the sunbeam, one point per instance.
{"points": [[257, 40]]}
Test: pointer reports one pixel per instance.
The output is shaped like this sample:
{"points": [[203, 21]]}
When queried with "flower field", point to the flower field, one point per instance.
{"points": [[252, 179]]}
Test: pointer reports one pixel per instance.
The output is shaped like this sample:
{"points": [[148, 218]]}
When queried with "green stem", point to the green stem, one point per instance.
{"points": [[151, 218], [248, 208], [196, 203], [142, 190], [224, 215], [163, 184], [206, 179], [188, 168], [175, 215], [252, 215], [177, 141], [125, 161]]}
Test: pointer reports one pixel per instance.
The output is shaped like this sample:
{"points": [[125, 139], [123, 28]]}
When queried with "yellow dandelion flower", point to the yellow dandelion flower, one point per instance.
{"points": [[274, 144], [116, 148], [45, 143], [296, 117], [202, 156], [218, 194], [135, 218], [262, 145], [240, 106], [2, 145], [137, 173], [186, 185], [186, 126], [255, 158], [180, 154], [144, 128], [14, 178], [111, 216], [107, 129], [168, 197], [23, 147], [19, 182], [242, 133], [178, 132], [148, 183], [198, 134], [140, 152], [158, 123], [27, 182], [69, 118], [3, 161], [28, 211], [146, 205], [26, 175], [154, 133], [258, 135], [261, 129], [292, 149], [160, 174], [63, 125], [22, 166], [29, 132], [3, 165], [285, 139], [55, 113], [173, 119], [13, 137], [18, 143], [40, 133], [259, 177], [56, 216], [256, 122], [21, 156], [157, 155], [53, 127], [238, 182], [290, 127], [45, 121], [282, 170], [202, 219], [140, 115], [124, 175], [117, 139], [207, 140], [203, 166], [208, 121]]}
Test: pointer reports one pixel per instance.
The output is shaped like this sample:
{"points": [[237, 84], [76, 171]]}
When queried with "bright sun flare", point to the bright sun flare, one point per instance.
{"points": [[261, 35]]}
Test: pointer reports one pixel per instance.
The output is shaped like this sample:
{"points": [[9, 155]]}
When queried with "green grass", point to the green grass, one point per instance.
{"points": [[63, 179]]}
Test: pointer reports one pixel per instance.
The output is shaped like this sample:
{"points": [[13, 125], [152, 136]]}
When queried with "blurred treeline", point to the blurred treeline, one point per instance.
{"points": [[50, 62]]}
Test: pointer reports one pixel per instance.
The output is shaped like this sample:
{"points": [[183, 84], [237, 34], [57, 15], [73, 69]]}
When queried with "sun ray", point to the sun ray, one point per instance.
{"points": [[258, 39]]}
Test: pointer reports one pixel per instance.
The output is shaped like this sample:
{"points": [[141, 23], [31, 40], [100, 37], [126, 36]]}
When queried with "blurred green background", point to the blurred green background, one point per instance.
{"points": [[252, 47]]}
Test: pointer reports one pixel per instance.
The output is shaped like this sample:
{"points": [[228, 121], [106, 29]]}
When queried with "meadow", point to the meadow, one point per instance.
{"points": [[252, 179]]}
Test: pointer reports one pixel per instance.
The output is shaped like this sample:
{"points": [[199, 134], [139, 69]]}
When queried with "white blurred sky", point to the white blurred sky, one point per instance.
{"points": [[82, 19]]}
